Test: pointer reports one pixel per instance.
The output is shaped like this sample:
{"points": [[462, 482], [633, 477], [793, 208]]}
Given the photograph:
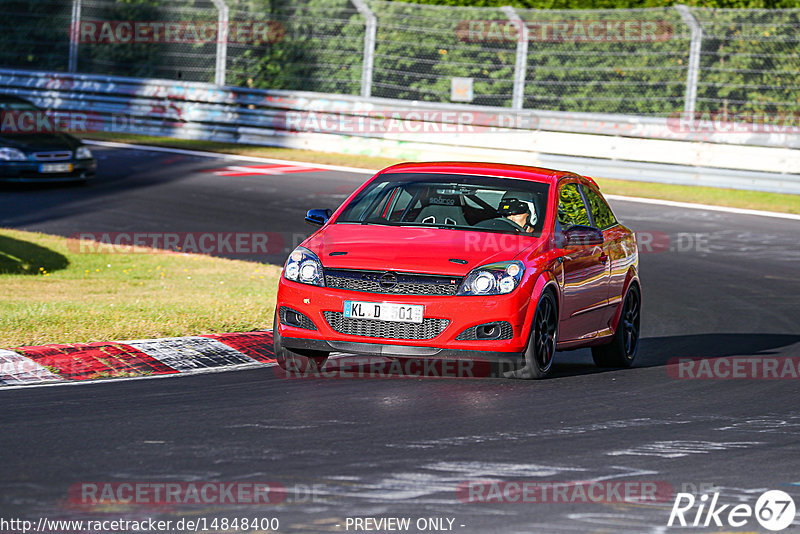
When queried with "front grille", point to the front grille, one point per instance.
{"points": [[471, 334], [429, 328], [52, 156], [298, 319], [406, 283]]}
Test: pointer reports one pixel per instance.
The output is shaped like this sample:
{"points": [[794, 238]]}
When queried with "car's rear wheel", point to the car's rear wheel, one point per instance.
{"points": [[541, 349], [621, 352], [305, 363]]}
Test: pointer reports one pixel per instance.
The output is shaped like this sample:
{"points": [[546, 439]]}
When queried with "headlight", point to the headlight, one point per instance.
{"points": [[83, 153], [304, 266], [12, 154], [493, 279]]}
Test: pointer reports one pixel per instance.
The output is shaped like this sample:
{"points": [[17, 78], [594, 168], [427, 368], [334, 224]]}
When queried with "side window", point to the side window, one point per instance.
{"points": [[396, 204], [368, 205], [601, 213], [571, 209]]}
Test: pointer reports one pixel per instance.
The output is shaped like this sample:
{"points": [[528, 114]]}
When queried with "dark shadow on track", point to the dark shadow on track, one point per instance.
{"points": [[657, 351], [24, 257]]}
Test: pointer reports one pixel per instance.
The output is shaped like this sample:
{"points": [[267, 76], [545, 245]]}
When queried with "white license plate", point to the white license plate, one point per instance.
{"points": [[383, 311], [55, 167]]}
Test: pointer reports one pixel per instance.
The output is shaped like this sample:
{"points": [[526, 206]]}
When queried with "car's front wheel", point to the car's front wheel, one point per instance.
{"points": [[305, 363], [621, 352], [541, 349]]}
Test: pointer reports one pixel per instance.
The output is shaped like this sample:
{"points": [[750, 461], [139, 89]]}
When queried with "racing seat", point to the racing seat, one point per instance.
{"points": [[442, 209]]}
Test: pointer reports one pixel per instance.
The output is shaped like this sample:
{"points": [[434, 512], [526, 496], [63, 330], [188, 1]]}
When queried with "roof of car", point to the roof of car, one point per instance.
{"points": [[524, 172]]}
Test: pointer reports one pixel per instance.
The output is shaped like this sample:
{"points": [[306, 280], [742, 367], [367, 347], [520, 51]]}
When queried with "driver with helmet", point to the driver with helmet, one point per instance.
{"points": [[518, 213]]}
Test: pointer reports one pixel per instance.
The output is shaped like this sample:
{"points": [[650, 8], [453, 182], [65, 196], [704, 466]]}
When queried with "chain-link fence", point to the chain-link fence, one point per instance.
{"points": [[749, 61], [657, 61], [112, 49]]}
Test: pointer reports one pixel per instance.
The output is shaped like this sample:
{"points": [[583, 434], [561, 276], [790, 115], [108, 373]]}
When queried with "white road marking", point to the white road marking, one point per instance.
{"points": [[222, 155], [679, 449], [705, 207]]}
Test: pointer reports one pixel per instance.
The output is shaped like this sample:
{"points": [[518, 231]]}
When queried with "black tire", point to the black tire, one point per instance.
{"points": [[306, 363], [541, 349], [621, 352]]}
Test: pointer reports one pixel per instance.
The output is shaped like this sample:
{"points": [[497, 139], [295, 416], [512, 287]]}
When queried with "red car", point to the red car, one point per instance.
{"points": [[478, 261]]}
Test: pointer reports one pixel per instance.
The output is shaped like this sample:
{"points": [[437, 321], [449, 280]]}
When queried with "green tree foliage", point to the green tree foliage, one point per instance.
{"points": [[34, 35], [191, 61], [616, 4]]}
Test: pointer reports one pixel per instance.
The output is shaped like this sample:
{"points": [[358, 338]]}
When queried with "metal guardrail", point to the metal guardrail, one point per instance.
{"points": [[189, 102], [234, 114]]}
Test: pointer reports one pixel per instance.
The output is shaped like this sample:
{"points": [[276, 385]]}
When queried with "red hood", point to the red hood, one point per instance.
{"points": [[421, 250]]}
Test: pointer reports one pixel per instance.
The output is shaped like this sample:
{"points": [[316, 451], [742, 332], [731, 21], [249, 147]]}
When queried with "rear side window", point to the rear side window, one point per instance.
{"points": [[601, 213], [571, 209]]}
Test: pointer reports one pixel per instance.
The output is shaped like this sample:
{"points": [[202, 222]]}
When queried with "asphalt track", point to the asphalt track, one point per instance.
{"points": [[401, 447]]}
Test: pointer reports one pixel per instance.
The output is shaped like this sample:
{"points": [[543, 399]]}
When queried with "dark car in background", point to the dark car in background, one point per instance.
{"points": [[32, 149]]}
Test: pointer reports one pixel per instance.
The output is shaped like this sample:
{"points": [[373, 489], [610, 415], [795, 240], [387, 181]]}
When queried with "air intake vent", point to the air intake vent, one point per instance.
{"points": [[391, 283], [290, 317], [487, 331], [429, 328]]}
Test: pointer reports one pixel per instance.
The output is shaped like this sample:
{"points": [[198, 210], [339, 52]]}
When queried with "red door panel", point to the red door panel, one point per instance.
{"points": [[584, 287]]}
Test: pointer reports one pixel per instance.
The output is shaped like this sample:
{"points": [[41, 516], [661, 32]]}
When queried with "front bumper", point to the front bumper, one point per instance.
{"points": [[30, 171], [509, 360], [462, 312]]}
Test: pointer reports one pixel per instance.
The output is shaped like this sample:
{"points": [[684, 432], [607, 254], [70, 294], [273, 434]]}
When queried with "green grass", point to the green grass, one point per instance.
{"points": [[701, 195], [52, 293]]}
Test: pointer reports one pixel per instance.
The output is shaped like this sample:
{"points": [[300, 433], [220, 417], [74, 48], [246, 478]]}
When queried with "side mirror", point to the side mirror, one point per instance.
{"points": [[318, 217], [582, 236]]}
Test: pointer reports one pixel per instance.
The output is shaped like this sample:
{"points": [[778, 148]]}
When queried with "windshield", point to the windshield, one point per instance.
{"points": [[479, 203]]}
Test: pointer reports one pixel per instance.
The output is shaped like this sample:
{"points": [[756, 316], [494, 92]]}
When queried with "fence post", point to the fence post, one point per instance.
{"points": [[74, 36], [696, 29], [222, 42], [521, 61], [370, 31]]}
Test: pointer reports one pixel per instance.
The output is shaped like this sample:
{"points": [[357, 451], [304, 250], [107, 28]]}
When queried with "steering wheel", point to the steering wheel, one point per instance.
{"points": [[500, 223], [514, 225]]}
